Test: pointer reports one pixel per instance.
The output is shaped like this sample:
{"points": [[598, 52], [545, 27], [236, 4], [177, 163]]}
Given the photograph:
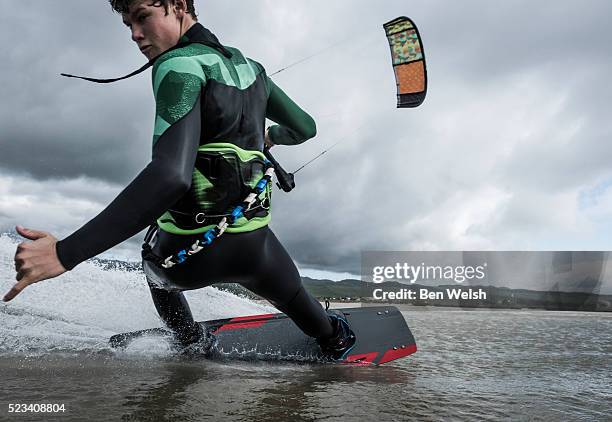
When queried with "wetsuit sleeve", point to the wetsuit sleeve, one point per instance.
{"points": [[160, 185], [294, 124]]}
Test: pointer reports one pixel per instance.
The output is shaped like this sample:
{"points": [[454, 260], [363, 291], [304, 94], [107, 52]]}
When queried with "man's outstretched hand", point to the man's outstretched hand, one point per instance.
{"points": [[34, 261]]}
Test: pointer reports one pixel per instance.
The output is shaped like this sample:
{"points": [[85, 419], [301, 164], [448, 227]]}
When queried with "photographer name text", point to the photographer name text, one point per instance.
{"points": [[426, 294]]}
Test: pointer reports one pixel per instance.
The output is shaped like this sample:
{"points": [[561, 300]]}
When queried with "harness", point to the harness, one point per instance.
{"points": [[246, 209]]}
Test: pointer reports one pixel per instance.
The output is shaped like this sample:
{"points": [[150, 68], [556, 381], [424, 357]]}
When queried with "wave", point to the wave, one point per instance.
{"points": [[80, 310]]}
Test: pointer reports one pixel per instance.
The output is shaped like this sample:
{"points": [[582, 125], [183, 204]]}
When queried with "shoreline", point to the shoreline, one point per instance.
{"points": [[412, 307]]}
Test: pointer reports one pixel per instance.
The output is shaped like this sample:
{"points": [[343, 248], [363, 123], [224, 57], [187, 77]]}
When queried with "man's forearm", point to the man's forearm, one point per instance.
{"points": [[156, 189], [295, 125], [144, 200]]}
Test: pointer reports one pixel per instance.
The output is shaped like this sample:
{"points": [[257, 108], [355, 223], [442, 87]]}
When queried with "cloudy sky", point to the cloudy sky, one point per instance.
{"points": [[510, 151]]}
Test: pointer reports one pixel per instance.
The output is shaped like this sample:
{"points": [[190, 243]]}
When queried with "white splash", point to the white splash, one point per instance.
{"points": [[80, 310]]}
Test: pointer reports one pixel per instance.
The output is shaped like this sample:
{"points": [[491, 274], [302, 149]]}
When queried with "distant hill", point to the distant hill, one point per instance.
{"points": [[497, 297]]}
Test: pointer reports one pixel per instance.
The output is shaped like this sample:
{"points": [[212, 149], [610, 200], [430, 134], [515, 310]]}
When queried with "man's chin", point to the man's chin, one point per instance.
{"points": [[149, 53]]}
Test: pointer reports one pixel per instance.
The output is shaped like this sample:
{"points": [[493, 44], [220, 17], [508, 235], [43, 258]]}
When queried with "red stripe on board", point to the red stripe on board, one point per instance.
{"points": [[253, 324], [248, 318], [399, 353], [364, 358]]}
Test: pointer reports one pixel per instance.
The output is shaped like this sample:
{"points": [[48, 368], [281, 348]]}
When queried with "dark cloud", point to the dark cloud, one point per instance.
{"points": [[513, 130]]}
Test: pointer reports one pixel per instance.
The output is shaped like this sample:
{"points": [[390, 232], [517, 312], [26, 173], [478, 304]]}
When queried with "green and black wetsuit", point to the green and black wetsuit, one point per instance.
{"points": [[211, 105]]}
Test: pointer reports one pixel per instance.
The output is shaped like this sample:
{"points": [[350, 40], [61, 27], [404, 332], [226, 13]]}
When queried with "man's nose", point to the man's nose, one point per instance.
{"points": [[136, 34]]}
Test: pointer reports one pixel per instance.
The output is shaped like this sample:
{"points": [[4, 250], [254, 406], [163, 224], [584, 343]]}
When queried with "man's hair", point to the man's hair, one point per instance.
{"points": [[123, 6]]}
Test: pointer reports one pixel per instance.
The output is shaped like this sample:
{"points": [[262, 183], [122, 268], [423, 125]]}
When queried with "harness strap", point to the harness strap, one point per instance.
{"points": [[207, 238], [191, 221], [147, 251]]}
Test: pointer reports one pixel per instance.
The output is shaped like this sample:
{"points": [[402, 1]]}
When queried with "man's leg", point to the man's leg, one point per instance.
{"points": [[258, 261], [170, 303], [278, 281], [173, 309]]}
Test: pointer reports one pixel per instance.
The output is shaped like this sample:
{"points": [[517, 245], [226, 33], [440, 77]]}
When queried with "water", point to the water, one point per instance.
{"points": [[471, 364]]}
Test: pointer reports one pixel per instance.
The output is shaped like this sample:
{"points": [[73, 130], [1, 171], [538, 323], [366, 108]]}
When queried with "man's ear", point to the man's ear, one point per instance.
{"points": [[180, 7]]}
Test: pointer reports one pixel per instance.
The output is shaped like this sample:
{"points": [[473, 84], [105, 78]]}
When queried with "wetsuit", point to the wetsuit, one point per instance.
{"points": [[211, 105]]}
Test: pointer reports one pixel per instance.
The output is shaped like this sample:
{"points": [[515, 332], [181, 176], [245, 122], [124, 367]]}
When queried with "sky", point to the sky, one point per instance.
{"points": [[510, 150]]}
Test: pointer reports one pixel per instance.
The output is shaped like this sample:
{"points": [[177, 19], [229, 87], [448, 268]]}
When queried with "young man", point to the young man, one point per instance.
{"points": [[209, 135]]}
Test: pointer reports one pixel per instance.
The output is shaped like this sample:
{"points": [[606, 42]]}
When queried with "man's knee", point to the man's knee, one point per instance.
{"points": [[287, 301]]}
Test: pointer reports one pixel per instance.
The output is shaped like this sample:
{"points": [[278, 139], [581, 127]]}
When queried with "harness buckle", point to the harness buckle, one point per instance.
{"points": [[200, 218], [265, 203]]}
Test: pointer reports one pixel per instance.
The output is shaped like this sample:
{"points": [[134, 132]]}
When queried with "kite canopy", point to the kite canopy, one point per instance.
{"points": [[408, 62]]}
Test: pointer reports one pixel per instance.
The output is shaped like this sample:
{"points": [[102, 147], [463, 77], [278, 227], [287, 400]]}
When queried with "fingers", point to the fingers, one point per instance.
{"points": [[17, 288], [18, 263], [34, 261], [21, 273], [24, 279], [31, 234], [11, 294]]}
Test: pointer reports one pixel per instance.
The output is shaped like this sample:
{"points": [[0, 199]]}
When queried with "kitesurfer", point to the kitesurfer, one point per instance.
{"points": [[209, 134]]}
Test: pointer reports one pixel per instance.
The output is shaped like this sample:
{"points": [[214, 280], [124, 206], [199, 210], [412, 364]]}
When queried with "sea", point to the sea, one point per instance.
{"points": [[471, 364]]}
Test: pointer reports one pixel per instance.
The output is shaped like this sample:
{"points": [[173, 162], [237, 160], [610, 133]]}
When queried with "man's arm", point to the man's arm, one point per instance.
{"points": [[156, 189], [177, 83], [294, 124]]}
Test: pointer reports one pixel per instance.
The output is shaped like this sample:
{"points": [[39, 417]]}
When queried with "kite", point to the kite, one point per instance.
{"points": [[408, 62]]}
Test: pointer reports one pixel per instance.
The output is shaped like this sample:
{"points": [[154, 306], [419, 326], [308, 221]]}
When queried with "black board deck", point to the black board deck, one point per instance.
{"points": [[381, 332]]}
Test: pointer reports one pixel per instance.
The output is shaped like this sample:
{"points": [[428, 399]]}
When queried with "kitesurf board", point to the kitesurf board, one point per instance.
{"points": [[381, 332]]}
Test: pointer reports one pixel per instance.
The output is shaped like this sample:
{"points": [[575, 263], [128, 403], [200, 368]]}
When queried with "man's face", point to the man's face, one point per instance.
{"points": [[152, 30]]}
